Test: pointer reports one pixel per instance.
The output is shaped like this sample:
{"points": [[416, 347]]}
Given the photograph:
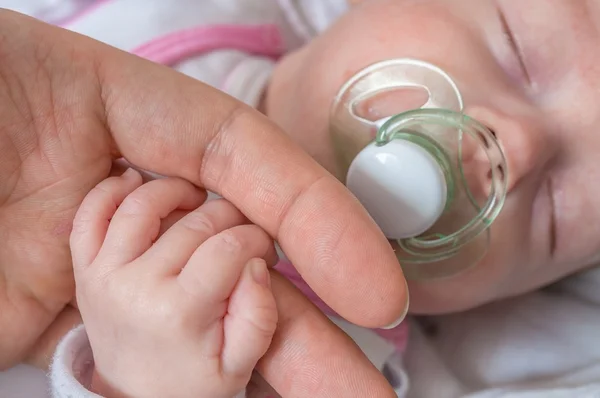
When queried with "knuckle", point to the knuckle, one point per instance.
{"points": [[199, 222], [243, 240], [81, 223], [230, 241], [169, 312], [102, 190], [214, 149], [264, 319], [100, 194], [259, 311], [136, 204], [182, 316]]}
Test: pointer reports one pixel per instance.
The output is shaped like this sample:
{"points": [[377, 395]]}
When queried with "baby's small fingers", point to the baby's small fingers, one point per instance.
{"points": [[93, 217], [136, 223], [215, 267], [250, 322], [193, 229]]}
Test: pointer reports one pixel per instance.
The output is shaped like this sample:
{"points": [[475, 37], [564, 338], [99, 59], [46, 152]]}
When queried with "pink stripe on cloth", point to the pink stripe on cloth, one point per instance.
{"points": [[397, 336], [175, 47]]}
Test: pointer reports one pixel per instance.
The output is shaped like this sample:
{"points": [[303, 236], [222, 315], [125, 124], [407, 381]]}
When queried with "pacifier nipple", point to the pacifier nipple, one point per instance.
{"points": [[432, 178], [401, 185]]}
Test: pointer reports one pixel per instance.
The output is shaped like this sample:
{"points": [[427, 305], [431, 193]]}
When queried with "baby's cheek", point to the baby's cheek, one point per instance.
{"points": [[299, 104]]}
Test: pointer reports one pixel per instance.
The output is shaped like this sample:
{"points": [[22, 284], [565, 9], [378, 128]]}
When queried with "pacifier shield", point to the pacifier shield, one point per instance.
{"points": [[429, 177]]}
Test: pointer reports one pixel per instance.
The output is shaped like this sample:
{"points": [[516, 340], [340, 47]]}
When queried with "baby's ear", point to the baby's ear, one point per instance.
{"points": [[389, 102]]}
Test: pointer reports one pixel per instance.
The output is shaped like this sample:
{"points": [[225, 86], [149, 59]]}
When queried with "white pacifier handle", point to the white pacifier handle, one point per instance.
{"points": [[401, 185]]}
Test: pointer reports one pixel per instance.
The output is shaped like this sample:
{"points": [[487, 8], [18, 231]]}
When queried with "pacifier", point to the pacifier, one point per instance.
{"points": [[432, 178]]}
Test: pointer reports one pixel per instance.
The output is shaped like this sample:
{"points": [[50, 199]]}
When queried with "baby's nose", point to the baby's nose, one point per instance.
{"points": [[523, 140]]}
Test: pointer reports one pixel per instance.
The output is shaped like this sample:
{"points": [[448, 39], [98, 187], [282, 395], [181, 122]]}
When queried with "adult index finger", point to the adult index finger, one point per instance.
{"points": [[170, 124]]}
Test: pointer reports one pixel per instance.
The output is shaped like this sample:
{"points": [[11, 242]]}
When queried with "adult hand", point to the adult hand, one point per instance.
{"points": [[70, 106]]}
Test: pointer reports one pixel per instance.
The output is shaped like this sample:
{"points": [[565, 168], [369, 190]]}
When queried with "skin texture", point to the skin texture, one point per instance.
{"points": [[145, 304], [527, 70], [72, 106], [538, 92]]}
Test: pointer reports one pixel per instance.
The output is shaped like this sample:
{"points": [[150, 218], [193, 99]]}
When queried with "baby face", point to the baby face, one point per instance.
{"points": [[530, 71]]}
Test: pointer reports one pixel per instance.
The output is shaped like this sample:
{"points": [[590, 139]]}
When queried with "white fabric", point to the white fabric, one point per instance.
{"points": [[54, 11], [544, 344], [72, 366]]}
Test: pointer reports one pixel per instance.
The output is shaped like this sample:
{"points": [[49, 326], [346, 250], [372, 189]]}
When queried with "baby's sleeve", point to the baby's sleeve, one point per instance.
{"points": [[72, 366]]}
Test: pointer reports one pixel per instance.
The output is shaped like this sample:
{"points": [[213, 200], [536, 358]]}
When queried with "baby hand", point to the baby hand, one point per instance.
{"points": [[184, 314]]}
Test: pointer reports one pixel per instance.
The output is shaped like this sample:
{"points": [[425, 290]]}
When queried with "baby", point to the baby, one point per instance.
{"points": [[538, 59]]}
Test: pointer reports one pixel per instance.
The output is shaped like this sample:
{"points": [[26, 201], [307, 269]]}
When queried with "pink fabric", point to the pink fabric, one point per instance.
{"points": [[170, 49], [397, 336]]}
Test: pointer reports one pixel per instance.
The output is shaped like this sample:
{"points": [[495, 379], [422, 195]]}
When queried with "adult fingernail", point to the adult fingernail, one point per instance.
{"points": [[260, 274], [404, 313]]}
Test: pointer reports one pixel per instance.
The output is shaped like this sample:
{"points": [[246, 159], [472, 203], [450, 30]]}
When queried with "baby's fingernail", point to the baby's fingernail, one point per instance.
{"points": [[129, 173], [259, 271], [404, 313]]}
